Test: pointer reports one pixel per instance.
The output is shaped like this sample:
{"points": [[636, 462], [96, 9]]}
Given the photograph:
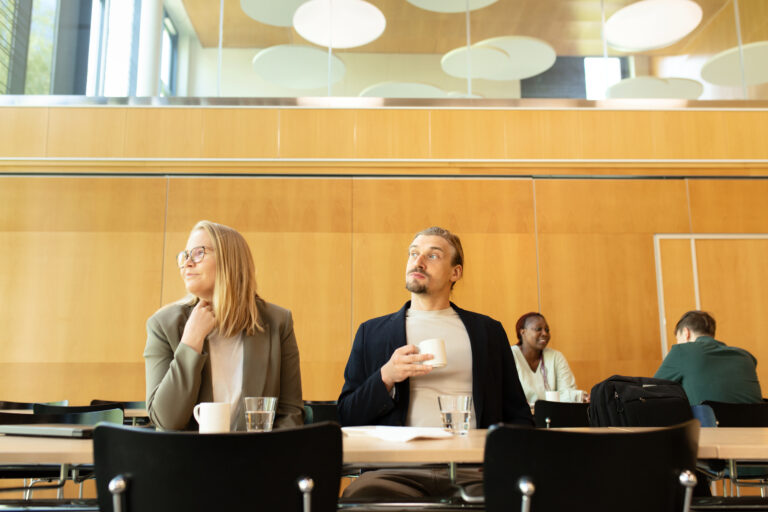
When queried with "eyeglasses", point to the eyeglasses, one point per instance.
{"points": [[195, 254]]}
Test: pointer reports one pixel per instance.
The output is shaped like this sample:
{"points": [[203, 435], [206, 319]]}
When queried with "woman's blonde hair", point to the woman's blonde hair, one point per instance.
{"points": [[235, 301]]}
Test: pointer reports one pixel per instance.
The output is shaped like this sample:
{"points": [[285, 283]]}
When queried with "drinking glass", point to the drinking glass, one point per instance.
{"points": [[260, 413], [456, 411]]}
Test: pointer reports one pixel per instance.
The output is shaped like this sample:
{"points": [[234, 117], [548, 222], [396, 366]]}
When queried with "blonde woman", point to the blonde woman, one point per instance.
{"points": [[223, 342]]}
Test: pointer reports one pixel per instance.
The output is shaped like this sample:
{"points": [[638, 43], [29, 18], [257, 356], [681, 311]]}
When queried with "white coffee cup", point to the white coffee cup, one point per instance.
{"points": [[577, 395], [436, 347], [213, 417], [552, 396]]}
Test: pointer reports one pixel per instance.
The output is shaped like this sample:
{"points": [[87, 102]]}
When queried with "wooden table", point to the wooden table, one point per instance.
{"points": [[714, 443], [735, 443]]}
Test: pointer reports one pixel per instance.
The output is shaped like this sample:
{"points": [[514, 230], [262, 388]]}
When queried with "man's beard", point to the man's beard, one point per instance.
{"points": [[414, 286]]}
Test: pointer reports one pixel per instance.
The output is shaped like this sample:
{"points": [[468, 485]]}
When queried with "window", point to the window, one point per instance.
{"points": [[600, 74], [112, 64], [169, 57]]}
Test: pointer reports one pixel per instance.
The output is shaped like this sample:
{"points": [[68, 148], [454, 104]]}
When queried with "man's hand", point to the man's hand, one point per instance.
{"points": [[201, 322], [404, 364]]}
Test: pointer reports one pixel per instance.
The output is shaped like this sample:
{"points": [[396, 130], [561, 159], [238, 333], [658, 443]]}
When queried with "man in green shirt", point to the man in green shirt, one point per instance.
{"points": [[709, 369]]}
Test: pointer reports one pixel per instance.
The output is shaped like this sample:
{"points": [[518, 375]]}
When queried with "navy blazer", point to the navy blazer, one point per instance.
{"points": [[496, 390]]}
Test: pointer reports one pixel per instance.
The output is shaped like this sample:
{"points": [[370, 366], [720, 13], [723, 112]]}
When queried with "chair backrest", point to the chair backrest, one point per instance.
{"points": [[548, 414], [135, 404], [318, 411], [740, 415], [61, 409], [604, 471], [72, 418], [181, 471], [25, 406]]}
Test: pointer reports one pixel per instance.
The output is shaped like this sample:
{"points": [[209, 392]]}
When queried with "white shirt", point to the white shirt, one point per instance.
{"points": [[559, 375], [227, 372], [455, 378]]}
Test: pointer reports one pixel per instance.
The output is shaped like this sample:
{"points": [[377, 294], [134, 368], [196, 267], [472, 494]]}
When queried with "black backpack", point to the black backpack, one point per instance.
{"points": [[638, 402]]}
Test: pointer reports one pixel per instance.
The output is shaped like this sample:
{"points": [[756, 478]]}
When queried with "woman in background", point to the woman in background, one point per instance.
{"points": [[222, 342], [539, 367]]}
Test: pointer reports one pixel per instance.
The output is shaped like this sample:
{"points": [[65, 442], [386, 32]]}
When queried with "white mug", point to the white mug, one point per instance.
{"points": [[436, 347], [552, 396], [213, 417]]}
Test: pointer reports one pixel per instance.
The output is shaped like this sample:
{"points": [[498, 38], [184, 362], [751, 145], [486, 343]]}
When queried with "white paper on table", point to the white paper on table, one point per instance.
{"points": [[398, 434]]}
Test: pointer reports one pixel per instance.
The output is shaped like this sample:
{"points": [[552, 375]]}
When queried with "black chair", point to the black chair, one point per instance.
{"points": [[130, 404], [143, 470], [317, 411], [554, 470], [25, 406], [560, 414], [68, 409], [739, 415]]}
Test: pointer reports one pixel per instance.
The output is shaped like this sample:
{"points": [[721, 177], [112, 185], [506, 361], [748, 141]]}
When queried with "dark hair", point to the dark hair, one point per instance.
{"points": [[458, 252], [699, 322], [524, 320]]}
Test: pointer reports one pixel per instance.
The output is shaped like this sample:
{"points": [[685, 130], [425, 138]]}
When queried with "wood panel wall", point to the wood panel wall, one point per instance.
{"points": [[86, 258], [116, 139]]}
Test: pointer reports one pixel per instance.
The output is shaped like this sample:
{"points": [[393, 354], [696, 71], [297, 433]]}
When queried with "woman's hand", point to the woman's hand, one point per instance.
{"points": [[201, 322]]}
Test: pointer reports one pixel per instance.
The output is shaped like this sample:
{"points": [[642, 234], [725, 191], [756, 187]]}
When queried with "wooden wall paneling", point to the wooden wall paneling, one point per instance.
{"points": [[544, 134], [84, 274], [240, 133], [598, 281], [318, 133], [494, 219], [468, 133], [733, 284], [164, 132], [677, 273], [299, 233], [729, 206], [392, 133], [598, 292], [23, 131], [611, 206], [618, 134], [78, 382], [86, 132], [715, 134]]}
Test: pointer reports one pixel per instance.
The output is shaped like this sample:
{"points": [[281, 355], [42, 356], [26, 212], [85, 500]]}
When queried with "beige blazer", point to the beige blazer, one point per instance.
{"points": [[178, 377]]}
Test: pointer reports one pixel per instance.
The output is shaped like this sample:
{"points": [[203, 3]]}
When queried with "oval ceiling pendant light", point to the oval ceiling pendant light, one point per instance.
{"points": [[451, 5], [651, 24], [298, 66], [657, 88], [403, 90], [725, 67], [339, 23], [271, 12], [500, 58]]}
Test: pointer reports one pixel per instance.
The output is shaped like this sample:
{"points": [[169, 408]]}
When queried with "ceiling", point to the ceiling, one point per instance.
{"points": [[571, 27]]}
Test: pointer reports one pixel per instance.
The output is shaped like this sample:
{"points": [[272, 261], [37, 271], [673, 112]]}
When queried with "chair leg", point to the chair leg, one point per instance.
{"points": [[62, 478], [306, 485], [527, 489], [687, 480]]}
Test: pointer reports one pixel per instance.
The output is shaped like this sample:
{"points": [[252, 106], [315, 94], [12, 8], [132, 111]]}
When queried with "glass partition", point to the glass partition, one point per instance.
{"points": [[418, 49]]}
